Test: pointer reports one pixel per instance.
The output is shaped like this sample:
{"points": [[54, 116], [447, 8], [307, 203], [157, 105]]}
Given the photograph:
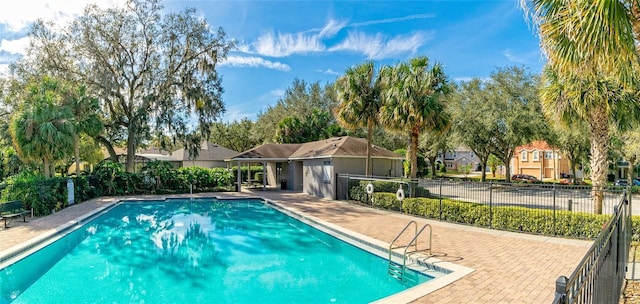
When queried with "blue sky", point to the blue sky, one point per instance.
{"points": [[279, 41]]}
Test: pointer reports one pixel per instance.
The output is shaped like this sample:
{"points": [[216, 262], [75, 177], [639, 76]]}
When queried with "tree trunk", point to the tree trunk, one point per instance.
{"points": [[599, 149], [76, 152], [432, 162], [507, 169], [47, 167], [131, 151], [369, 135], [483, 164], [573, 172], [112, 152], [413, 154]]}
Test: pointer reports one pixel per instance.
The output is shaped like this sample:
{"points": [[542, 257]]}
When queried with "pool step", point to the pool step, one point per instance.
{"points": [[400, 273], [396, 270]]}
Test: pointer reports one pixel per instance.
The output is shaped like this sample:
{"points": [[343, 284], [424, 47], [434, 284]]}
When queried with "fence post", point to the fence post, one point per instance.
{"points": [[440, 200], [554, 209], [561, 290], [348, 182], [490, 204]]}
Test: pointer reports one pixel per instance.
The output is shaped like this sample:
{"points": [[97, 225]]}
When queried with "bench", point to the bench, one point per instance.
{"points": [[12, 209]]}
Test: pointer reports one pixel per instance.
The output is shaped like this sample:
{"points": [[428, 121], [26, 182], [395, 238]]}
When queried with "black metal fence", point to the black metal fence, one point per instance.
{"points": [[549, 209], [600, 275]]}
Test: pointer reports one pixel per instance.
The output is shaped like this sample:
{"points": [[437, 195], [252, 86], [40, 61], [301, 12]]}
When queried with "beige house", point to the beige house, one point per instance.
{"points": [[541, 160], [210, 156], [312, 167]]}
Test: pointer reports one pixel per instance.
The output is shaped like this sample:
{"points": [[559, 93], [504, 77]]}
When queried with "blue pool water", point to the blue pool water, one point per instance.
{"points": [[200, 251]]}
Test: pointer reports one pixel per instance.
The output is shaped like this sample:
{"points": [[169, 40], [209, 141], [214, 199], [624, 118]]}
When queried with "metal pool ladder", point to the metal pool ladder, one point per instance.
{"points": [[399, 271]]}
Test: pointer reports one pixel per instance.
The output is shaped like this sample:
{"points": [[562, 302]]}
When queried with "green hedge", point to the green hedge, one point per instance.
{"points": [[568, 224], [357, 189], [48, 195]]}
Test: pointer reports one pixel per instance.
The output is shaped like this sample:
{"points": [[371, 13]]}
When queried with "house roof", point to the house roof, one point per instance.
{"points": [[344, 146], [208, 151], [539, 145]]}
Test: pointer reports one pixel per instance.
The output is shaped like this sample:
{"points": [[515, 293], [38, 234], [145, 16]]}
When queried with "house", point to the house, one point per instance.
{"points": [[312, 167], [461, 156], [541, 160], [210, 156]]}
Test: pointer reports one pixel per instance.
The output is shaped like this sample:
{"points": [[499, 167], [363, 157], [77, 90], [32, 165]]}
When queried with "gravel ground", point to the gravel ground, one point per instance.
{"points": [[631, 289]]}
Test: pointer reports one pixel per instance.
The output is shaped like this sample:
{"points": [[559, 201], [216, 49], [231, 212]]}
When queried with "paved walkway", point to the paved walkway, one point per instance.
{"points": [[509, 267]]}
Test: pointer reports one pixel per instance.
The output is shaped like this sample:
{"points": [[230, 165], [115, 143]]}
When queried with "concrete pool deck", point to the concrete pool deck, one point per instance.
{"points": [[508, 267]]}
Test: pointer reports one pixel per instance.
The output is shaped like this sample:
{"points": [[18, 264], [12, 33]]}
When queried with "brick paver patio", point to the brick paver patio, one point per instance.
{"points": [[509, 267]]}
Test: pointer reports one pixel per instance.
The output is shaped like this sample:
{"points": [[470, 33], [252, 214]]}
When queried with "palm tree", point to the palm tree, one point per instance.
{"points": [[85, 119], [413, 101], [591, 68], [358, 93], [42, 130]]}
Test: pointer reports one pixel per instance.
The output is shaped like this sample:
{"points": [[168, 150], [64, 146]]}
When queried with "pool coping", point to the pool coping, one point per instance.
{"points": [[11, 254], [443, 273], [449, 272]]}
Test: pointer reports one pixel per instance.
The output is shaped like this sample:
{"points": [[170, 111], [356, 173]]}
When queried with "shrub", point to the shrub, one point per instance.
{"points": [[386, 201], [568, 224], [258, 176], [37, 192]]}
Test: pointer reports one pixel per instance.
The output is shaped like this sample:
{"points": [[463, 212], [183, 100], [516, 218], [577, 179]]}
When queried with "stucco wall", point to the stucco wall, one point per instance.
{"points": [[204, 164], [316, 181]]}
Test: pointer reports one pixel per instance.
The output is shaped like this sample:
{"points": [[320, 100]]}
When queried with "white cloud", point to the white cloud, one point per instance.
{"points": [[392, 20], [17, 46], [20, 14], [332, 28], [277, 93], [254, 62], [309, 41], [513, 57], [380, 46], [329, 72], [4, 70], [287, 44]]}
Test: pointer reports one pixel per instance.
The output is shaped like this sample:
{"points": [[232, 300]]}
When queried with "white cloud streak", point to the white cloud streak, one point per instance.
{"points": [[309, 41], [20, 14], [329, 72], [392, 20], [254, 62], [380, 46], [514, 58], [287, 44], [17, 46]]}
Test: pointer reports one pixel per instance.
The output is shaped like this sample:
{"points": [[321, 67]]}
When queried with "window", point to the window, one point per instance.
{"points": [[326, 171], [523, 156], [548, 155], [536, 155]]}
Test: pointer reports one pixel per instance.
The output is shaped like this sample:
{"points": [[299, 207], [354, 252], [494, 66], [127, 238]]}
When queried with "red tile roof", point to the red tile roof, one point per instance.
{"points": [[539, 145]]}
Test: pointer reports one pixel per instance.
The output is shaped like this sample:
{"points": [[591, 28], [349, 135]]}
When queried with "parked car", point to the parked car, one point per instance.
{"points": [[636, 182], [571, 181], [526, 178], [621, 182]]}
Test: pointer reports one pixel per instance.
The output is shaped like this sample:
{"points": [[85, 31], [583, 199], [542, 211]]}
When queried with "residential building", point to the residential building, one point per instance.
{"points": [[541, 160], [312, 167]]}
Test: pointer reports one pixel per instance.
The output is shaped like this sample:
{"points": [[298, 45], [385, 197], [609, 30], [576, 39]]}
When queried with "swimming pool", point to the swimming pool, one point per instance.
{"points": [[198, 251]]}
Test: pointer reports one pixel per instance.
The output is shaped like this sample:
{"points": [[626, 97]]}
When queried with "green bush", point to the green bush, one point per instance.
{"points": [[243, 172], [357, 190], [568, 224], [258, 176], [386, 201], [37, 192]]}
